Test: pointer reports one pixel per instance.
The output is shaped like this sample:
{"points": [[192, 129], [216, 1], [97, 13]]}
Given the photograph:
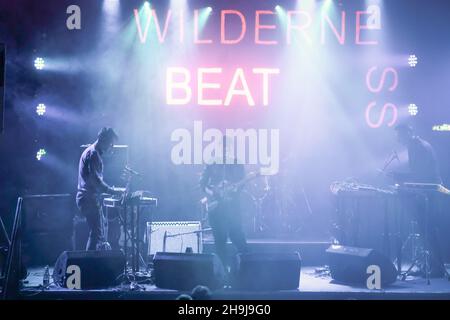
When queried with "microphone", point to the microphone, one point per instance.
{"points": [[394, 156]]}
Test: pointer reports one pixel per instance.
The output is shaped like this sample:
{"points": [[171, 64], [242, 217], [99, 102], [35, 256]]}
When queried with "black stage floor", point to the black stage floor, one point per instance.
{"points": [[314, 284]]}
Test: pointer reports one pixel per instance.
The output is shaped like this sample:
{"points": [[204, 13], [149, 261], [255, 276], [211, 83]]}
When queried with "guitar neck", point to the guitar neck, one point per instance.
{"points": [[245, 180]]}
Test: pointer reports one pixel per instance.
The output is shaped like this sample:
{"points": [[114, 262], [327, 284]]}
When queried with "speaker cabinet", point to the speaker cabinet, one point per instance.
{"points": [[268, 271], [47, 227], [184, 271], [349, 264], [98, 269]]}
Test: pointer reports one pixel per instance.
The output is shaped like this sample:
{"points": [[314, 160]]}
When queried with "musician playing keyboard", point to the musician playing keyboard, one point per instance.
{"points": [[91, 185], [423, 165], [225, 218], [423, 168]]}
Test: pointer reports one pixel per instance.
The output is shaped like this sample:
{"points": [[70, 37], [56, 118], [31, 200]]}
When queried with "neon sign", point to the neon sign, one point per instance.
{"points": [[179, 86], [300, 25]]}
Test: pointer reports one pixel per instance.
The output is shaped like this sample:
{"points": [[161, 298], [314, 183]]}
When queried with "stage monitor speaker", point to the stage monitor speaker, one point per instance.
{"points": [[268, 271], [349, 264], [2, 85], [97, 269], [184, 271], [174, 236]]}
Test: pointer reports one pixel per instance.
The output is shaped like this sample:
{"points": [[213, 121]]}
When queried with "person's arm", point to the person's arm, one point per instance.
{"points": [[434, 167], [96, 174], [204, 180], [241, 171], [240, 176]]}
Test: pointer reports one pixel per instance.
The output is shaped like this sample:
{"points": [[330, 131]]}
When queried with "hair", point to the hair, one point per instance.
{"points": [[404, 127], [107, 134], [201, 293]]}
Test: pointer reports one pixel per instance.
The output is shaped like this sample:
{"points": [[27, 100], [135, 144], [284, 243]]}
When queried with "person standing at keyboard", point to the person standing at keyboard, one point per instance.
{"points": [[91, 186], [422, 161], [423, 168]]}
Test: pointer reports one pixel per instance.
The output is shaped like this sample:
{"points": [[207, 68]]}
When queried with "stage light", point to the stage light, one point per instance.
{"points": [[147, 5], [307, 5], [40, 109], [111, 16], [40, 154], [202, 16], [39, 63], [413, 109], [281, 13], [413, 60], [327, 5], [111, 7], [442, 127], [180, 5], [279, 10]]}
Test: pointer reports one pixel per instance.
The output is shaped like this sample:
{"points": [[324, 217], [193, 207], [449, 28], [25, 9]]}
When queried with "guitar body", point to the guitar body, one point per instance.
{"points": [[225, 191], [212, 205]]}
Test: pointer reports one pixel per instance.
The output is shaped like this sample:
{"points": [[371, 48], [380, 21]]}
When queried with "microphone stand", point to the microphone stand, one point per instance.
{"points": [[389, 161], [134, 236]]}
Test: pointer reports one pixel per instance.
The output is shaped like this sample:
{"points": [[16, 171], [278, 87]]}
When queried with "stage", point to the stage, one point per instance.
{"points": [[276, 144], [315, 284]]}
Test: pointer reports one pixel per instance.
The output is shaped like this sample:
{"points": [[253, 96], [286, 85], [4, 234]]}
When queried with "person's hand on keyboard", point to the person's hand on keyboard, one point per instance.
{"points": [[117, 191]]}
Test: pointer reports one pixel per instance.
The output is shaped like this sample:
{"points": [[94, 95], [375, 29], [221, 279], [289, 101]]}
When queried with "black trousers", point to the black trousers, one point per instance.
{"points": [[226, 222], [90, 208]]}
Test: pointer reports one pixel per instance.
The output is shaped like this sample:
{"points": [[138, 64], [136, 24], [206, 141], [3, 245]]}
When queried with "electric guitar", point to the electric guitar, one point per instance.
{"points": [[225, 190]]}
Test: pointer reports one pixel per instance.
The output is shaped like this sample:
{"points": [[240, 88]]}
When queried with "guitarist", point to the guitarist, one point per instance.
{"points": [[226, 218]]}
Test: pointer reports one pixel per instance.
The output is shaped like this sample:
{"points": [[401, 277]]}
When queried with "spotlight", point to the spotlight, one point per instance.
{"points": [[39, 63], [413, 109], [208, 9], [40, 109], [147, 5], [277, 8], [327, 5], [413, 60], [111, 8], [40, 154]]}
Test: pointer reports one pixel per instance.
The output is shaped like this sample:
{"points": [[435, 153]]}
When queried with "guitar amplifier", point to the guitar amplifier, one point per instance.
{"points": [[47, 227], [174, 236]]}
